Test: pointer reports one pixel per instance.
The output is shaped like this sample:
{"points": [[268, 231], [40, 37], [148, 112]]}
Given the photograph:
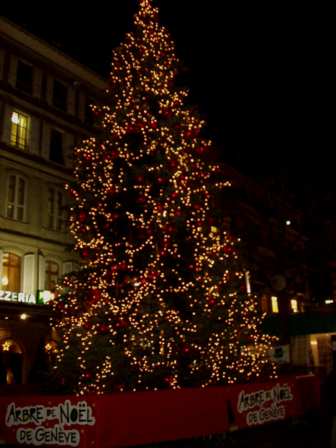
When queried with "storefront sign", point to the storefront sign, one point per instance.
{"points": [[41, 298], [31, 423], [264, 405], [22, 297]]}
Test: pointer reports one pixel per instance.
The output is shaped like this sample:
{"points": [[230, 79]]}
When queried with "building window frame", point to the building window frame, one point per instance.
{"points": [[51, 275], [57, 100], [56, 209], [21, 84], [11, 281], [20, 129], [59, 158], [16, 197]]}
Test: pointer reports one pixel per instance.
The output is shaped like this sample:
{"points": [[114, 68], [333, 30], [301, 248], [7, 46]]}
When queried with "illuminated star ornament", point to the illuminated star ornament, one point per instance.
{"points": [[160, 300]]}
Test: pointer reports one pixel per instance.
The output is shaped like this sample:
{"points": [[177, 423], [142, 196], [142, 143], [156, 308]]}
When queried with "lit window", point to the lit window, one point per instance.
{"points": [[56, 210], [51, 275], [16, 198], [19, 130], [274, 304], [11, 272], [294, 306]]}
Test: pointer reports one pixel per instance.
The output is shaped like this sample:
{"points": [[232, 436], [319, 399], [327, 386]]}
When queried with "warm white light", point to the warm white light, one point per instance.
{"points": [[274, 304], [328, 301], [15, 118], [294, 305], [248, 282], [24, 316], [6, 346], [288, 222], [4, 280]]}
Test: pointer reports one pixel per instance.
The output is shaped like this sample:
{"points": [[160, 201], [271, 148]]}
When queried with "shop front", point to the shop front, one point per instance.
{"points": [[311, 338], [25, 339]]}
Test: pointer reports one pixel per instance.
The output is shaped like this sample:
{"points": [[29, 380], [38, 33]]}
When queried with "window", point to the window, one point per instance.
{"points": [[19, 130], [56, 147], [60, 95], [24, 77], [16, 198], [294, 306], [274, 304], [11, 272], [51, 275], [56, 210]]}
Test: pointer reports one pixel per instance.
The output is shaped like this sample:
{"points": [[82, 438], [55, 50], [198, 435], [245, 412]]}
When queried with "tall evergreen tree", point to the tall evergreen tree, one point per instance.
{"points": [[159, 300]]}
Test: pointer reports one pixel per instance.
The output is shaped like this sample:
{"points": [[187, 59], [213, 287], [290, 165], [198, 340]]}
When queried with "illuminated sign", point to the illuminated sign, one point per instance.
{"points": [[41, 298]]}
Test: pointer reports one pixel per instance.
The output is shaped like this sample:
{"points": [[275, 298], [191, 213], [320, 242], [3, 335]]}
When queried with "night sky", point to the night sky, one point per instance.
{"points": [[259, 74]]}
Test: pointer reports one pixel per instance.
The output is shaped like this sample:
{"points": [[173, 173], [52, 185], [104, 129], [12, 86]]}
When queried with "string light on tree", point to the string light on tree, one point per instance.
{"points": [[158, 302]]}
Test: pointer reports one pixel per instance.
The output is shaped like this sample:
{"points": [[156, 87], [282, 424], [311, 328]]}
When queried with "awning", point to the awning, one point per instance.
{"points": [[300, 324]]}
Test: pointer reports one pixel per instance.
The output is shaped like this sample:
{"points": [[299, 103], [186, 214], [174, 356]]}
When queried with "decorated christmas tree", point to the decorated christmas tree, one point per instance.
{"points": [[160, 300]]}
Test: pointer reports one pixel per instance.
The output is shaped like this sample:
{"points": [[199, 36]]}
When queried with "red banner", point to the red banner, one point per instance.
{"points": [[129, 419], [257, 404], [48, 420]]}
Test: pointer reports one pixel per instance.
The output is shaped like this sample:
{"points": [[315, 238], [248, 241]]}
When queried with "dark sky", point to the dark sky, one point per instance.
{"points": [[261, 75]]}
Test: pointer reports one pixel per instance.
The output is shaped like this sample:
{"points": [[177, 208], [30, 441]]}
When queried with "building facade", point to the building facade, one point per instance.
{"points": [[44, 97]]}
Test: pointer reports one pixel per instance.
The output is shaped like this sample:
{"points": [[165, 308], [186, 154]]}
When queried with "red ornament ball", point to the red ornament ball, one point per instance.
{"points": [[95, 295], [169, 228], [82, 216], [200, 150], [122, 265], [122, 323], [140, 179], [173, 164], [130, 129], [167, 113], [85, 253], [103, 328], [141, 199]]}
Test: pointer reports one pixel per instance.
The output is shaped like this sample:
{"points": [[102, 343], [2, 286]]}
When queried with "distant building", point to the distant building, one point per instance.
{"points": [[278, 251], [44, 97]]}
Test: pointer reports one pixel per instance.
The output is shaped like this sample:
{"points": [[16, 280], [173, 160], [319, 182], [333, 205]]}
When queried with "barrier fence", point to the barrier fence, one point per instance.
{"points": [[130, 419]]}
